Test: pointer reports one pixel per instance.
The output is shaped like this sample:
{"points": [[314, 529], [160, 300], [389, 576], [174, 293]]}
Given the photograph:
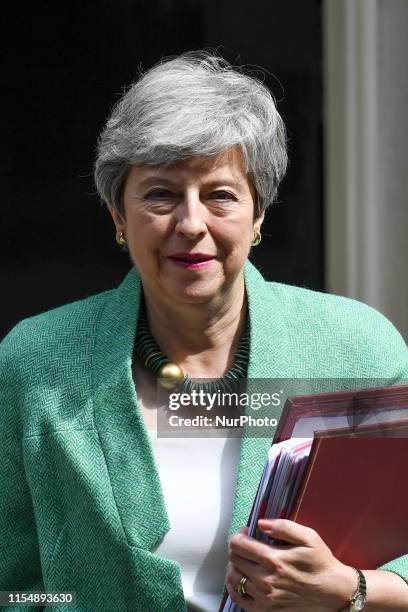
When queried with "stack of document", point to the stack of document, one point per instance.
{"points": [[280, 482], [345, 479]]}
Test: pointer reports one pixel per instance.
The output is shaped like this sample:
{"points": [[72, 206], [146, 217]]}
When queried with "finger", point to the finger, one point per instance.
{"points": [[289, 531], [233, 578], [249, 568], [252, 550], [271, 558], [243, 530], [246, 603]]}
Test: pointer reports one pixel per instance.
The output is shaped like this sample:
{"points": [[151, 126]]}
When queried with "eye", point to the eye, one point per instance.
{"points": [[223, 196], [159, 195]]}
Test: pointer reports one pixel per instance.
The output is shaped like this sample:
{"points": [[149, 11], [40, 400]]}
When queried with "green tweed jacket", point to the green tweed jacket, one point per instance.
{"points": [[81, 506]]}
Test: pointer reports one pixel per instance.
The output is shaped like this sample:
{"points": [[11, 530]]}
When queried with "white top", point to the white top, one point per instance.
{"points": [[198, 481]]}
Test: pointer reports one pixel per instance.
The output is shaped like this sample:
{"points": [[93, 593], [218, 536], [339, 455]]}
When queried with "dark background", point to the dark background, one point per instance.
{"points": [[65, 64]]}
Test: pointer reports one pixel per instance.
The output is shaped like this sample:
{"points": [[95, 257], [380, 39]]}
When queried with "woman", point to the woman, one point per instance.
{"points": [[92, 500]]}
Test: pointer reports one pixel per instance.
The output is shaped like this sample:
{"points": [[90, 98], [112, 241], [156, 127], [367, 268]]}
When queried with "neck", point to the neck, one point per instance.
{"points": [[201, 338]]}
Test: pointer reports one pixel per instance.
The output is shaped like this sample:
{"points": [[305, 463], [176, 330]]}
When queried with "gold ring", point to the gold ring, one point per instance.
{"points": [[241, 587]]}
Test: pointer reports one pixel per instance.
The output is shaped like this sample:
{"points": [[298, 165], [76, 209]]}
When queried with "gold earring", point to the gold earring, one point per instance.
{"points": [[120, 239], [256, 239]]}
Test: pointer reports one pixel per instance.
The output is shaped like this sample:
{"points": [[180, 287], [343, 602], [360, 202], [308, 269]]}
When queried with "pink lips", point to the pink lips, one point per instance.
{"points": [[193, 261]]}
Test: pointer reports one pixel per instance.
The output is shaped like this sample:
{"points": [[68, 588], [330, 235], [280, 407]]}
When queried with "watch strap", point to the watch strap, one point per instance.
{"points": [[357, 601]]}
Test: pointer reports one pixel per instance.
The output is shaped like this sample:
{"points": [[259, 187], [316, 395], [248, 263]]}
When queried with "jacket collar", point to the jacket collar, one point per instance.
{"points": [[124, 438], [267, 358]]}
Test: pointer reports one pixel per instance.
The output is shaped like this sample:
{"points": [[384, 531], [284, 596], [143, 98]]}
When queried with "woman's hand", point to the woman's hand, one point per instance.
{"points": [[302, 575]]}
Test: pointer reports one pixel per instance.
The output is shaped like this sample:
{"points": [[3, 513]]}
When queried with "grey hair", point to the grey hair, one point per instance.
{"points": [[195, 104]]}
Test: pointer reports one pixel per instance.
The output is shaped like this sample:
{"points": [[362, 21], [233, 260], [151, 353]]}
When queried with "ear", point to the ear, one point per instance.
{"points": [[258, 222], [118, 219]]}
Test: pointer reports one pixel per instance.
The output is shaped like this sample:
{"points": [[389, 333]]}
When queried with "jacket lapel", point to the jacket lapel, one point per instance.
{"points": [[268, 360], [119, 422]]}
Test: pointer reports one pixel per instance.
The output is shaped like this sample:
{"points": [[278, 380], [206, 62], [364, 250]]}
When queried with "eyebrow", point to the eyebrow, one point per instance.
{"points": [[155, 180]]}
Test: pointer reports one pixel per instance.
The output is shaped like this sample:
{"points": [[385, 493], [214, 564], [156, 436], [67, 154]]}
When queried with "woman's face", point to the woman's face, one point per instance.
{"points": [[189, 226]]}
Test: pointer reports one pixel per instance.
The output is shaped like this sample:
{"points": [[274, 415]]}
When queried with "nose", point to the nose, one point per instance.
{"points": [[191, 216]]}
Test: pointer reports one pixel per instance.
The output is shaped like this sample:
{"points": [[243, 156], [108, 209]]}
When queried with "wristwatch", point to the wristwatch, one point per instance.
{"points": [[357, 601]]}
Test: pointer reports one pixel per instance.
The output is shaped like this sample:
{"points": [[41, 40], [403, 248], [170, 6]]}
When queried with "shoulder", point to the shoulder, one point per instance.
{"points": [[318, 308], [348, 327], [45, 367], [334, 309], [57, 331]]}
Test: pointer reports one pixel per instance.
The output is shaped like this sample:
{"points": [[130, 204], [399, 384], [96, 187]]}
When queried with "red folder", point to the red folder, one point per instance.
{"points": [[353, 492], [350, 404], [354, 495]]}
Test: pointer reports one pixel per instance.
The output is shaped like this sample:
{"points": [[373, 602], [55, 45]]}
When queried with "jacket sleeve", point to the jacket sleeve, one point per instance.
{"points": [[20, 567], [398, 566]]}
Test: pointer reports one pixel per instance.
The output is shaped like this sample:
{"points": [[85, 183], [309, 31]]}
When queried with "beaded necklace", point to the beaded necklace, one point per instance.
{"points": [[170, 375]]}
